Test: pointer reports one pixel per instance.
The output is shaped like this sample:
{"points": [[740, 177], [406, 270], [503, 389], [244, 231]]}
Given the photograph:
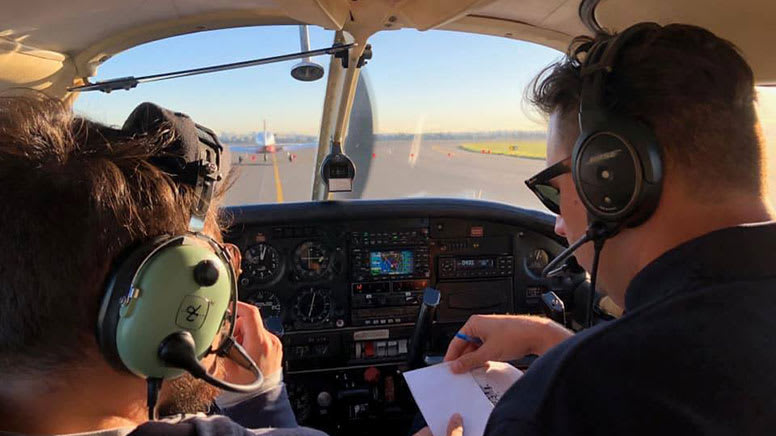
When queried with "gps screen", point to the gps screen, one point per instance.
{"points": [[391, 262]]}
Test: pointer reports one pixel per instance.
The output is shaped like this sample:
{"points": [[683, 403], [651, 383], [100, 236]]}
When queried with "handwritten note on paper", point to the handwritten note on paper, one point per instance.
{"points": [[439, 394]]}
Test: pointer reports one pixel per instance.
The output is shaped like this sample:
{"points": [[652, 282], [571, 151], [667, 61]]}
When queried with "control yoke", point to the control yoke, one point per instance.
{"points": [[422, 330]]}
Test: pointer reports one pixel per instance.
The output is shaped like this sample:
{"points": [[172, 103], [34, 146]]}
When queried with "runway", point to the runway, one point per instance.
{"points": [[398, 169]]}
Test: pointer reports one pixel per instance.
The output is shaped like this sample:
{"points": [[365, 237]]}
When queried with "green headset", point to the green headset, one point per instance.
{"points": [[167, 300]]}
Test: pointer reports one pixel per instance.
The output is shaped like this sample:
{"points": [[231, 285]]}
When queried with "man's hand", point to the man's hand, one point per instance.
{"points": [[264, 348], [504, 338], [454, 427]]}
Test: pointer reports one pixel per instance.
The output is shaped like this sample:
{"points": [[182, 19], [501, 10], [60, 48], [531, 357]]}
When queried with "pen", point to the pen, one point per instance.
{"points": [[471, 339]]}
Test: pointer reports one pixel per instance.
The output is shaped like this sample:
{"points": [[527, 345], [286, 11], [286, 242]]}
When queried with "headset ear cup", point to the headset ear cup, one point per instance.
{"points": [[117, 287], [617, 172], [607, 176], [181, 283]]}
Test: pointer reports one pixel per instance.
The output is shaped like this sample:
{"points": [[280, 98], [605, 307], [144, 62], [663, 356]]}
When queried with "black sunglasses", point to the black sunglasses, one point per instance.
{"points": [[539, 185]]}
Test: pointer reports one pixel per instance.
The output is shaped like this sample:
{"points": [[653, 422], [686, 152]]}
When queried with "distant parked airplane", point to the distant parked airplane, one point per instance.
{"points": [[265, 144]]}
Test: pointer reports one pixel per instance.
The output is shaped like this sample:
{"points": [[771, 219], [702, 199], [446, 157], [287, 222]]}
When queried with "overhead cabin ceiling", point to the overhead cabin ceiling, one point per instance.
{"points": [[749, 24], [48, 45]]}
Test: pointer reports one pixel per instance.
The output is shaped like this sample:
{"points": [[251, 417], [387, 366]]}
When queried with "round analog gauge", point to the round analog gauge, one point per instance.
{"points": [[267, 302], [311, 260], [313, 306], [537, 261], [261, 263]]}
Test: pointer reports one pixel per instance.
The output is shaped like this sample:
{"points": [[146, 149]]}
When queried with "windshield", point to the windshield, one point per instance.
{"points": [[437, 113], [240, 105]]}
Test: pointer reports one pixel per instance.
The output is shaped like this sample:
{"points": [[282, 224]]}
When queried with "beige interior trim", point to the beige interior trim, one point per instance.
{"points": [[90, 58], [22, 66], [329, 14], [749, 24], [425, 15], [31, 35], [510, 29]]}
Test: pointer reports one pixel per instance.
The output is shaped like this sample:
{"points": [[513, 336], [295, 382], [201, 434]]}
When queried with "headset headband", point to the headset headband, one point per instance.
{"points": [[597, 65], [193, 158]]}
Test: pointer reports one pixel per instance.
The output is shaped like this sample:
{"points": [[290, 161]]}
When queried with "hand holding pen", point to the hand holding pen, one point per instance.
{"points": [[502, 338]]}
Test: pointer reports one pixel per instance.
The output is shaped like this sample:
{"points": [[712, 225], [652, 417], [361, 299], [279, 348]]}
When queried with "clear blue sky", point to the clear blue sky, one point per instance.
{"points": [[430, 81]]}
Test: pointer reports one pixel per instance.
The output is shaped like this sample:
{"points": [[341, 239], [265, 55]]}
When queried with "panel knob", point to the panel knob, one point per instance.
{"points": [[324, 399]]}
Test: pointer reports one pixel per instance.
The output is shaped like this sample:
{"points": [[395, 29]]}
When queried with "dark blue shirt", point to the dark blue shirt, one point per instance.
{"points": [[694, 354]]}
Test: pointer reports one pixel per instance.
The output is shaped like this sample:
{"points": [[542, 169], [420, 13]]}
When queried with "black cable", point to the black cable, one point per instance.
{"points": [[598, 245], [550, 269], [178, 351], [154, 386]]}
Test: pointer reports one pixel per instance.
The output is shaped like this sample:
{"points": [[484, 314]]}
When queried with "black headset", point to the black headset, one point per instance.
{"points": [[617, 161]]}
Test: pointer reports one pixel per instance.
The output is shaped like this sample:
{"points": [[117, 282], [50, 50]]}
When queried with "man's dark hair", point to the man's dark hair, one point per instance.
{"points": [[75, 194], [691, 87]]}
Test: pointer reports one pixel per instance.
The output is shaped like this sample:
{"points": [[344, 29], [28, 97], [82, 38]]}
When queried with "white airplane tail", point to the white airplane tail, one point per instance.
{"points": [[265, 138]]}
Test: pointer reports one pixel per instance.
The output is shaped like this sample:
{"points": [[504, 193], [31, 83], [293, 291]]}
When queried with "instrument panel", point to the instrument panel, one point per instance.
{"points": [[342, 284]]}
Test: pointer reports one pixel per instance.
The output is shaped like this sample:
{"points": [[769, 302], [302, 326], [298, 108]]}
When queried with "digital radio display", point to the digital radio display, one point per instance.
{"points": [[486, 263], [382, 263]]}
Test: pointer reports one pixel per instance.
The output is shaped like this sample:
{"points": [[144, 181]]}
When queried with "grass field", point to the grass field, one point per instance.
{"points": [[526, 149]]}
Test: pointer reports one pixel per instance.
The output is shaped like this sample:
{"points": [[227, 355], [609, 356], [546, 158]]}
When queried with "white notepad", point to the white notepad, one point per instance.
{"points": [[439, 394]]}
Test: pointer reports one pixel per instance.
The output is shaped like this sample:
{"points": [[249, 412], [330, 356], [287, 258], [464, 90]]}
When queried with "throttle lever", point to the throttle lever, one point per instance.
{"points": [[554, 308], [422, 330]]}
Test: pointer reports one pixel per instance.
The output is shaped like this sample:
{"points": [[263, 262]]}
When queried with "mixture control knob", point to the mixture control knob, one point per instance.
{"points": [[324, 399]]}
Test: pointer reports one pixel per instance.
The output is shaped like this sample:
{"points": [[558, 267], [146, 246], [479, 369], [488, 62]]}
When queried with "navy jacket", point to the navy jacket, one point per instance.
{"points": [[694, 354]]}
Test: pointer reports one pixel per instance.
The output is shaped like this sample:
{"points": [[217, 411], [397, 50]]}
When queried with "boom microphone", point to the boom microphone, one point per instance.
{"points": [[177, 351], [552, 269], [598, 232]]}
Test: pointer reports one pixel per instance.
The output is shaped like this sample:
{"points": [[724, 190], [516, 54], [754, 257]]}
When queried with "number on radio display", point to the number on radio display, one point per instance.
{"points": [[476, 263]]}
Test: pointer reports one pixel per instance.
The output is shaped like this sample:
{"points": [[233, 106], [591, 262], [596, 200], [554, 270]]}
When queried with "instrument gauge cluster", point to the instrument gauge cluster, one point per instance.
{"points": [[310, 280], [297, 278]]}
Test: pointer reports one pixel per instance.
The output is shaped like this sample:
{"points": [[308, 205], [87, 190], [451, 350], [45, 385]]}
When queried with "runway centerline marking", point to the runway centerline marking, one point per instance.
{"points": [[278, 184]]}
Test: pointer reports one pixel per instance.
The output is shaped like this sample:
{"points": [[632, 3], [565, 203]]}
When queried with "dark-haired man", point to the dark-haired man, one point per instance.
{"points": [[76, 196], [694, 352]]}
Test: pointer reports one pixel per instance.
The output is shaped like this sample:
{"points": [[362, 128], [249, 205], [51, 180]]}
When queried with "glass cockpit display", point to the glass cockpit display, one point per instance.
{"points": [[388, 263]]}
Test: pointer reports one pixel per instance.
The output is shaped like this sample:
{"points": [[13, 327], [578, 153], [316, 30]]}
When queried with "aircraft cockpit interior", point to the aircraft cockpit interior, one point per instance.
{"points": [[377, 154], [346, 290]]}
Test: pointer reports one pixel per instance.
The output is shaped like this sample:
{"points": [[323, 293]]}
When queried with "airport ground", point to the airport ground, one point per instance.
{"points": [[402, 169], [398, 169]]}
